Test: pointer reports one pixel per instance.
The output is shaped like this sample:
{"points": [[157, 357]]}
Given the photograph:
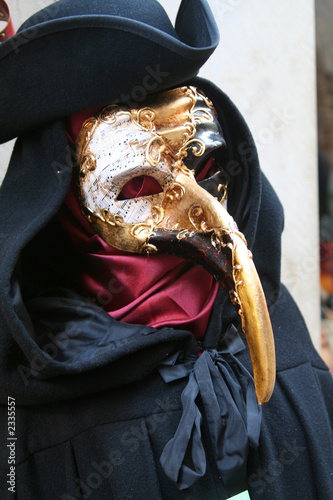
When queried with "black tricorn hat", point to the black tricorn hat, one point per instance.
{"points": [[80, 54]]}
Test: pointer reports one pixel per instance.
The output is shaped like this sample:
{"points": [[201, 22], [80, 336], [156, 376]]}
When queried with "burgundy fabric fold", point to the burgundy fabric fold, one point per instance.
{"points": [[154, 290]]}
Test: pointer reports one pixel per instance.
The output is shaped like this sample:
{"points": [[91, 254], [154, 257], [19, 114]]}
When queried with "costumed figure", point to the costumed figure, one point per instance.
{"points": [[140, 274]]}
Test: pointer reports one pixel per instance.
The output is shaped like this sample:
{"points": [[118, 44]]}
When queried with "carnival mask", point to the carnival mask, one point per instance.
{"points": [[165, 144]]}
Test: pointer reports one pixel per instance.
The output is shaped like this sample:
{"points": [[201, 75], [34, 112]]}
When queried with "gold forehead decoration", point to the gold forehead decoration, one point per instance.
{"points": [[121, 143]]}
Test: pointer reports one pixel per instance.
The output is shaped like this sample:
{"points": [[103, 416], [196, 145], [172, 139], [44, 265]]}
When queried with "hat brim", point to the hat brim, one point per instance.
{"points": [[58, 67]]}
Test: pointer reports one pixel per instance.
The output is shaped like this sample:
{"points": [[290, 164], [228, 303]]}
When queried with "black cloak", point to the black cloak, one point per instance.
{"points": [[93, 413]]}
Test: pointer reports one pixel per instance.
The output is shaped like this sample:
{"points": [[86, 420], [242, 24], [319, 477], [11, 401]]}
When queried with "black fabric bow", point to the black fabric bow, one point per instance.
{"points": [[230, 408]]}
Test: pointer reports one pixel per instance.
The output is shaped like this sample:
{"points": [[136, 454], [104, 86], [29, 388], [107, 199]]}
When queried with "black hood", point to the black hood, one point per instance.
{"points": [[37, 259]]}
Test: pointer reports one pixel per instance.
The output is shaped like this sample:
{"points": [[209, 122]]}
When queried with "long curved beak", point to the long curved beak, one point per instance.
{"points": [[195, 224]]}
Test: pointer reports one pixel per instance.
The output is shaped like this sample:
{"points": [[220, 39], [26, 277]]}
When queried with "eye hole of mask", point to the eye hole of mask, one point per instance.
{"points": [[208, 170], [140, 186], [145, 185]]}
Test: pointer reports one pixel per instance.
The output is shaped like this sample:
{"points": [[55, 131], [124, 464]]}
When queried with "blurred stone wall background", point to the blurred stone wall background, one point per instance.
{"points": [[324, 23], [266, 64]]}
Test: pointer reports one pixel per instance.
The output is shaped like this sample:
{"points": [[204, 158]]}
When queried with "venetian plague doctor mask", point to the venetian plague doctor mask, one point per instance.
{"points": [[166, 141]]}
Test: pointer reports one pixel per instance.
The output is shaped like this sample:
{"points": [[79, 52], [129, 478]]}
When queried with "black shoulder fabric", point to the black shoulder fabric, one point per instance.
{"points": [[296, 444], [97, 439]]}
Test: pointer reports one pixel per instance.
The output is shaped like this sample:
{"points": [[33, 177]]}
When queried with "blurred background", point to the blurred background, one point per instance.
{"points": [[324, 39], [275, 61]]}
